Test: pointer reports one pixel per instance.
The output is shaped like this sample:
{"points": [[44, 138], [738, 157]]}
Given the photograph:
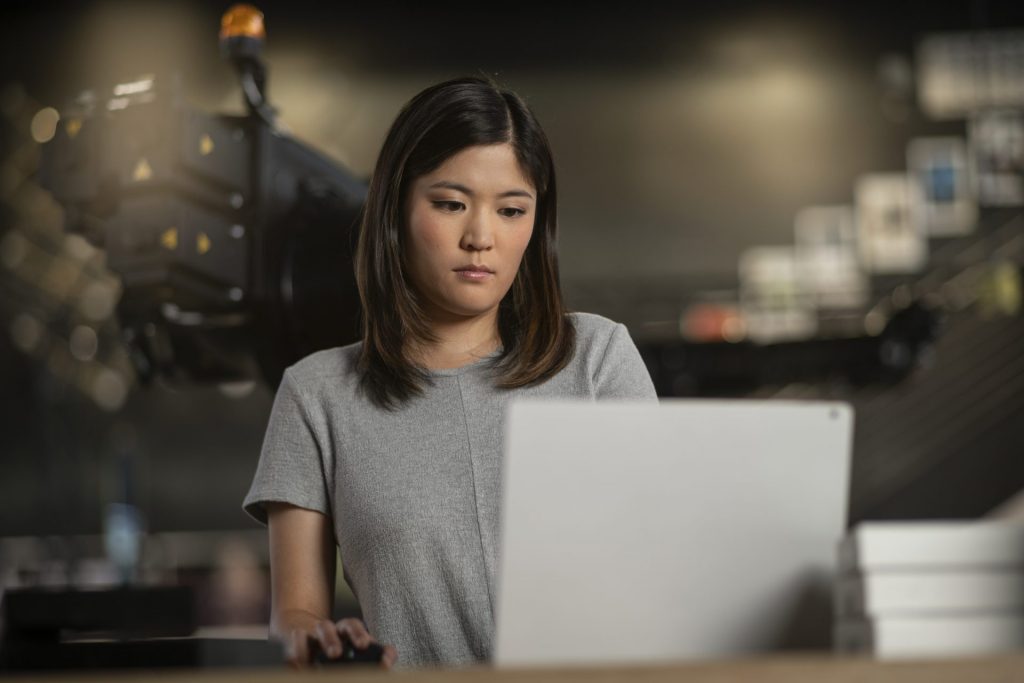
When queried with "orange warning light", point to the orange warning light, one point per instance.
{"points": [[242, 20]]}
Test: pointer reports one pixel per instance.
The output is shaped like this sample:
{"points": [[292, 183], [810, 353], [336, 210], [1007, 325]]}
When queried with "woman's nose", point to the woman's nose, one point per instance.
{"points": [[479, 232]]}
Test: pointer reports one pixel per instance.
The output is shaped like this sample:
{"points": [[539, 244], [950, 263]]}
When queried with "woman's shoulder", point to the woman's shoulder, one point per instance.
{"points": [[614, 365], [592, 330], [333, 363], [594, 334], [590, 324]]}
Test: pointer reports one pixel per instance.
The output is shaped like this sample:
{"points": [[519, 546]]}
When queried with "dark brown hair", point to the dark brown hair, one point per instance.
{"points": [[537, 336]]}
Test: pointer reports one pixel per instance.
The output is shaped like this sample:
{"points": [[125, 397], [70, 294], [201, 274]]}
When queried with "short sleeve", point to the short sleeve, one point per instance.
{"points": [[290, 468], [622, 372]]}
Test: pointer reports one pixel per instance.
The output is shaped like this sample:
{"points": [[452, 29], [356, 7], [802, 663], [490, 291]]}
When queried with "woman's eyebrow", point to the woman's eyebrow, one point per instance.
{"points": [[447, 184]]}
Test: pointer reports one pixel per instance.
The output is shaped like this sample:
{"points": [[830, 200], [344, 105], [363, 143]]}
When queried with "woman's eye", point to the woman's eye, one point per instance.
{"points": [[511, 212], [450, 206]]}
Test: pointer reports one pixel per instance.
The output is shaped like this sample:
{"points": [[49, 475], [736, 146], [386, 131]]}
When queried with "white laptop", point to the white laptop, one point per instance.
{"points": [[689, 529]]}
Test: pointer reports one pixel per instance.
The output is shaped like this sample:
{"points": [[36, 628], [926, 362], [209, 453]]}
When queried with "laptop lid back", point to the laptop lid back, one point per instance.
{"points": [[638, 532]]}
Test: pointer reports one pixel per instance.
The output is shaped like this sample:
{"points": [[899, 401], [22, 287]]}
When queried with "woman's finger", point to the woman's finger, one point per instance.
{"points": [[356, 632], [390, 657], [330, 641], [297, 650]]}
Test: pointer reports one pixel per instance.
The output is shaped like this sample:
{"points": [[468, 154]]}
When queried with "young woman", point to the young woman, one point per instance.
{"points": [[391, 447]]}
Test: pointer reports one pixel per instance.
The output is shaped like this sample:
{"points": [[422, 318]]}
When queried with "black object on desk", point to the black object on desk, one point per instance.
{"points": [[128, 627], [371, 654], [40, 614], [147, 653]]}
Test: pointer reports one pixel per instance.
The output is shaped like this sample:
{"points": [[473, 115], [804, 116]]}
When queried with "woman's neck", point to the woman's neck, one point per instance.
{"points": [[459, 342]]}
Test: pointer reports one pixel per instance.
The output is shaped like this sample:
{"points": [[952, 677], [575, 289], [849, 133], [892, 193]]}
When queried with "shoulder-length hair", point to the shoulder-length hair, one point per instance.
{"points": [[538, 338]]}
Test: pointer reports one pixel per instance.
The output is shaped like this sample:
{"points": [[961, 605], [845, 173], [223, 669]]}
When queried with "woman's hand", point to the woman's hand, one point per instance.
{"points": [[328, 636]]}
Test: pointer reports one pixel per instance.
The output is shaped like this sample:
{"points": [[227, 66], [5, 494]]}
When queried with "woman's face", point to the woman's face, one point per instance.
{"points": [[468, 223]]}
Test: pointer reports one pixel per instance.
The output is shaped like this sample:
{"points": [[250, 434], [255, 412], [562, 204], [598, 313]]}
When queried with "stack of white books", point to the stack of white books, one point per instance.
{"points": [[931, 589]]}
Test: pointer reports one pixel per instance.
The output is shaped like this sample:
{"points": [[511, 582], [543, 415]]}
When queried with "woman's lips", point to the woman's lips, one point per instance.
{"points": [[474, 275], [474, 272]]}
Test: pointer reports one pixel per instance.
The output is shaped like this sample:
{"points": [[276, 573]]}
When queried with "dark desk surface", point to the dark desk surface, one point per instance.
{"points": [[1002, 669]]}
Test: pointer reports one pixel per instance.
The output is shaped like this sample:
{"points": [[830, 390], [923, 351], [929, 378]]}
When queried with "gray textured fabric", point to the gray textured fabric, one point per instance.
{"points": [[414, 494]]}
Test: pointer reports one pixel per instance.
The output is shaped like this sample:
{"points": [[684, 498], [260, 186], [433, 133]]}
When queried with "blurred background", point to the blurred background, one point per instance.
{"points": [[795, 200]]}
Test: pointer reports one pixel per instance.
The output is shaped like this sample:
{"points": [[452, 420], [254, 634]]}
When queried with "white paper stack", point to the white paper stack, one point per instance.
{"points": [[931, 589]]}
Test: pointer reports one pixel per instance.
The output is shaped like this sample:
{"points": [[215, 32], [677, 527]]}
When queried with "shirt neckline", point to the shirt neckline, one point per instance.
{"points": [[462, 369]]}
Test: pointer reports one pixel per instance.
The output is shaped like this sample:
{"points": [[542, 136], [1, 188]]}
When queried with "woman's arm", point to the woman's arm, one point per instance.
{"points": [[302, 569], [302, 566]]}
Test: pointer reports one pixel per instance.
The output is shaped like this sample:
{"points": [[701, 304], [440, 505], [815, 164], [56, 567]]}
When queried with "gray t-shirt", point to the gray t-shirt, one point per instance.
{"points": [[414, 493]]}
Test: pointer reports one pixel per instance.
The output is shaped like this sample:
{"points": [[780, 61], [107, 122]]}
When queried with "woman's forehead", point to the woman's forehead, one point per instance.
{"points": [[487, 169]]}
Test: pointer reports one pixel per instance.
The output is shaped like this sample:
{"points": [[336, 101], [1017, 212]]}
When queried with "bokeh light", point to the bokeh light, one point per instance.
{"points": [[44, 124]]}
